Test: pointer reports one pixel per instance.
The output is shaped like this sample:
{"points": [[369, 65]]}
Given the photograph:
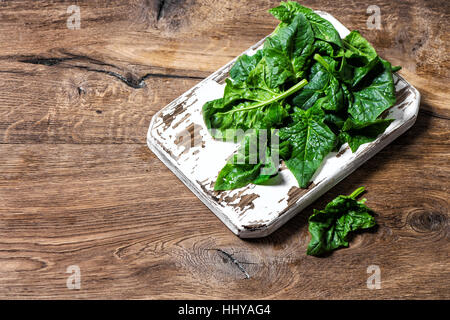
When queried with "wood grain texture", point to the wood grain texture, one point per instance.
{"points": [[78, 185]]}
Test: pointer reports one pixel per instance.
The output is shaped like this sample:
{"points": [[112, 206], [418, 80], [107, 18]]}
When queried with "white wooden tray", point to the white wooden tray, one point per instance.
{"points": [[178, 136]]}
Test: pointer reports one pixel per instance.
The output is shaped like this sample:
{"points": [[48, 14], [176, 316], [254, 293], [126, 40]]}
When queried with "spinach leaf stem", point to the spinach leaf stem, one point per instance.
{"points": [[357, 192], [281, 96]]}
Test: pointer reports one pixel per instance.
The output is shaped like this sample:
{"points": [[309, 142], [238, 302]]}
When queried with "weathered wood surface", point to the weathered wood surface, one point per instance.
{"points": [[78, 185]]}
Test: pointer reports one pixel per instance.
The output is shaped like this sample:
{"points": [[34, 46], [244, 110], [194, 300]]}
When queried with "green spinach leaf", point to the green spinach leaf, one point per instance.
{"points": [[330, 227], [318, 81], [328, 49], [374, 95], [311, 140], [255, 161], [262, 110], [244, 65], [322, 28], [288, 50], [334, 100], [361, 53], [357, 133]]}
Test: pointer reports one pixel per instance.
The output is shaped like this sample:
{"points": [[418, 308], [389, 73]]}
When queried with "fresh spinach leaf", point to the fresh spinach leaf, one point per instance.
{"points": [[318, 81], [361, 53], [334, 92], [358, 47], [289, 49], [255, 161], [374, 95], [330, 227], [286, 11], [311, 140], [322, 28], [357, 133], [244, 65], [328, 49], [262, 110]]}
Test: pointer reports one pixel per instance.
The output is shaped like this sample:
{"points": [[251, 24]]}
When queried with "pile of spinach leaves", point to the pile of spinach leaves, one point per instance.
{"points": [[312, 89]]}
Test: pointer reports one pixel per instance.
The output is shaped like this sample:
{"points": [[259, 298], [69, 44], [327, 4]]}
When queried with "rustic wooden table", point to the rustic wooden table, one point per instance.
{"points": [[79, 187]]}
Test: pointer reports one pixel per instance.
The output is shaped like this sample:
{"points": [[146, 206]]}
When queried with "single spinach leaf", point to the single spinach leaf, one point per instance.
{"points": [[255, 161], [262, 110], [361, 53], [358, 47], [322, 28], [357, 133], [334, 100], [328, 49], [311, 140], [323, 88], [318, 81], [330, 227], [287, 51], [374, 95], [244, 65], [286, 11]]}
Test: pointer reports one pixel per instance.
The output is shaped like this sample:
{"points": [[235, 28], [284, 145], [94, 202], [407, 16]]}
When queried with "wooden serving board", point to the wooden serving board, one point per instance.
{"points": [[178, 136]]}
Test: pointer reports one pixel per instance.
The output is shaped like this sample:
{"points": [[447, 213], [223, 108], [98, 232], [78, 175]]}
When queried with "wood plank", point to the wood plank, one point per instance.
{"points": [[78, 185], [137, 232], [129, 59], [72, 106]]}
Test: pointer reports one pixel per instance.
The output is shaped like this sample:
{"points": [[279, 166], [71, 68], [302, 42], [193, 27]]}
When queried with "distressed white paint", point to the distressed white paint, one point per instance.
{"points": [[198, 167]]}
